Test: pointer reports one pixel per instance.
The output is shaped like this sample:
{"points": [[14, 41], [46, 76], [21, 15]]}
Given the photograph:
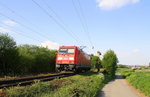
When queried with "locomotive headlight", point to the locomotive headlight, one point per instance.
{"points": [[71, 58], [60, 58]]}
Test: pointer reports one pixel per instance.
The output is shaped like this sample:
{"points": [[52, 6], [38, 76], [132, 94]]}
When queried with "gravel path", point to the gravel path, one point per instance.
{"points": [[118, 88]]}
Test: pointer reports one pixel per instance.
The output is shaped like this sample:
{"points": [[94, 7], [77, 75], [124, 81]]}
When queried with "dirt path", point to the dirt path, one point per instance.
{"points": [[118, 88]]}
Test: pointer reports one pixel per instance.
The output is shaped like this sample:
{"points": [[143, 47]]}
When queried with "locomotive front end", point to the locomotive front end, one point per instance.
{"points": [[66, 58]]}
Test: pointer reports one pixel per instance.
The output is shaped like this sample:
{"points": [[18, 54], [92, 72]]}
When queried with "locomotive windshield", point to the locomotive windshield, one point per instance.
{"points": [[66, 51], [63, 51], [70, 51]]}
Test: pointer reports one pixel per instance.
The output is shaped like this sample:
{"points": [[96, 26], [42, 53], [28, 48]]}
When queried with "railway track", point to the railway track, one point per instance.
{"points": [[30, 80]]}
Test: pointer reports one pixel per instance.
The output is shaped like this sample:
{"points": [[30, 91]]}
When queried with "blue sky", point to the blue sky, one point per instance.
{"points": [[120, 25]]}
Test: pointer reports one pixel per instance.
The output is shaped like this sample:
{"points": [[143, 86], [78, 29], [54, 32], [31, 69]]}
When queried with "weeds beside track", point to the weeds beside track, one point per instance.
{"points": [[80, 85], [29, 80]]}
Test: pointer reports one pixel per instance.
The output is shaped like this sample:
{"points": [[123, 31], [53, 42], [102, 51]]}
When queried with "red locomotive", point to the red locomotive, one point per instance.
{"points": [[72, 58]]}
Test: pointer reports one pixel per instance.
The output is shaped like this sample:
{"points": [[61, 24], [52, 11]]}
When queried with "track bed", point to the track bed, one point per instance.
{"points": [[23, 81]]}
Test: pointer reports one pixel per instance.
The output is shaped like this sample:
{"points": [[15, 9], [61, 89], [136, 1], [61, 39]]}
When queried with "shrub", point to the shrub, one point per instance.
{"points": [[109, 62], [32, 91]]}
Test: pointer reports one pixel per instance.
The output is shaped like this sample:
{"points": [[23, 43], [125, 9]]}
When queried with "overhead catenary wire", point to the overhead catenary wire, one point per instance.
{"points": [[22, 24], [55, 20], [83, 21], [60, 20], [14, 12], [20, 33], [86, 26]]}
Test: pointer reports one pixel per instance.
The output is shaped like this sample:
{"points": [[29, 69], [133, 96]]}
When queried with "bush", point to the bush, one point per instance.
{"points": [[109, 62], [141, 81], [32, 91]]}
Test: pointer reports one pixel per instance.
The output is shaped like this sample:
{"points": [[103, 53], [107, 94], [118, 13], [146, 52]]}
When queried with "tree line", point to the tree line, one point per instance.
{"points": [[24, 59]]}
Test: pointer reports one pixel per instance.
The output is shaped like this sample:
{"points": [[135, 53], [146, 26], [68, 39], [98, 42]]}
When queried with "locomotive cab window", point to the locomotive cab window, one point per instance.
{"points": [[63, 51], [70, 51]]}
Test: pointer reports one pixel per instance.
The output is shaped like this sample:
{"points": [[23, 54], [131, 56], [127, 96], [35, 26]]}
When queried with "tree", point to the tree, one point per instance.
{"points": [[8, 55], [26, 53], [109, 62], [35, 59], [45, 60]]}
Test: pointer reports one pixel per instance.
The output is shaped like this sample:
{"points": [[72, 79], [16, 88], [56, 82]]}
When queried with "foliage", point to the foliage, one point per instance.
{"points": [[74, 86], [32, 91], [35, 59], [125, 71], [95, 70], [109, 62], [141, 81], [95, 61], [24, 59], [122, 66], [108, 78], [8, 55]]}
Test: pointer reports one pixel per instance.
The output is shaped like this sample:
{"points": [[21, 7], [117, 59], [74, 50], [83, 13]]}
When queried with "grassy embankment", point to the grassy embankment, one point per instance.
{"points": [[139, 79], [83, 85], [125, 72]]}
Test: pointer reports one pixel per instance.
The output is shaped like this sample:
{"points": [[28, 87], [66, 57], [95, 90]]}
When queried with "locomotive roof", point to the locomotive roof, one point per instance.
{"points": [[68, 47]]}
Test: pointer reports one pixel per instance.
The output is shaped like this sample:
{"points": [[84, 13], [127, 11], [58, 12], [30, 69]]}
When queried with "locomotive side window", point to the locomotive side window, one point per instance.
{"points": [[63, 51], [70, 51]]}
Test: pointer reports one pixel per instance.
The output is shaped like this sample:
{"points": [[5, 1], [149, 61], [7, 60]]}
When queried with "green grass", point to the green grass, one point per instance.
{"points": [[125, 71], [141, 81], [85, 85]]}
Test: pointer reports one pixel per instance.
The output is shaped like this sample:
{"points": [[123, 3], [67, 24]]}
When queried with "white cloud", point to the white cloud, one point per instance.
{"points": [[5, 30], [50, 45], [9, 22], [112, 4], [136, 51]]}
